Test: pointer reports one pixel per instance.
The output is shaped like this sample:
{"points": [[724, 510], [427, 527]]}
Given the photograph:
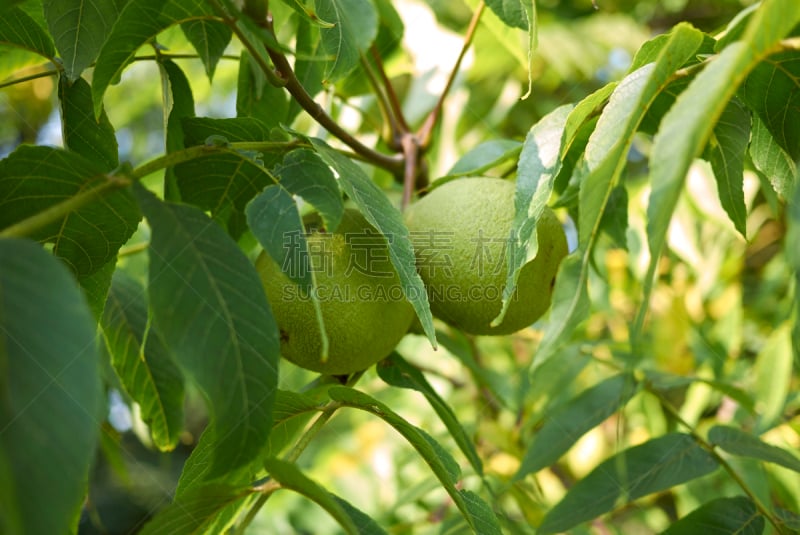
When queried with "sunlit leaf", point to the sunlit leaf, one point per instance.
{"points": [[440, 462], [658, 464], [538, 167], [565, 424], [605, 158], [354, 28], [209, 306], [688, 125], [51, 403], [396, 371], [142, 361], [291, 477], [730, 139], [773, 376], [511, 12], [79, 29], [35, 178], [721, 516], [772, 160], [738, 442]]}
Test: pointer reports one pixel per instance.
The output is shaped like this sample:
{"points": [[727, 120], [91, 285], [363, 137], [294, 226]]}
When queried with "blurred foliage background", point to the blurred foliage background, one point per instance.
{"points": [[717, 307]]}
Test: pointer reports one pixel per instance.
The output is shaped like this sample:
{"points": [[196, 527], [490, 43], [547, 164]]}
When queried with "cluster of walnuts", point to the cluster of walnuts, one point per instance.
{"points": [[459, 233]]}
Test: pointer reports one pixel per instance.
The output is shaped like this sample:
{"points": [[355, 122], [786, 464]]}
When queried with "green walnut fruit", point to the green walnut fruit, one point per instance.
{"points": [[363, 306], [460, 231]]}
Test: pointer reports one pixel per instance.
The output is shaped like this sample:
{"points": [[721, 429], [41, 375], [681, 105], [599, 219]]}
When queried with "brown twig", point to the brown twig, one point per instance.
{"points": [[411, 153], [301, 96]]}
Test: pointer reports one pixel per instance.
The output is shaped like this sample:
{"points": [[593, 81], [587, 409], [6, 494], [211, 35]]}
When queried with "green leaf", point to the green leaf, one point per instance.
{"points": [[355, 26], [604, 160], [381, 214], [688, 125], [441, 463], [178, 105], [225, 181], [307, 12], [665, 382], [772, 90], [485, 156], [511, 12], [34, 178], [721, 516], [737, 442], [89, 137], [303, 173], [19, 30], [50, 393], [198, 471], [569, 308], [275, 220], [210, 38], [789, 519], [396, 371], [139, 21], [79, 28], [772, 372], [583, 112], [538, 166], [729, 148], [771, 160], [95, 287], [566, 423], [209, 306], [195, 511], [606, 153], [310, 65], [257, 98], [290, 477], [142, 361], [365, 525], [651, 467], [291, 411]]}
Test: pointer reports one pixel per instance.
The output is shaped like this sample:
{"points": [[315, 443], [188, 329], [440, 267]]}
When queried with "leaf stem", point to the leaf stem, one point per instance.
{"points": [[58, 211], [197, 151], [317, 113], [43, 74], [425, 132]]}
